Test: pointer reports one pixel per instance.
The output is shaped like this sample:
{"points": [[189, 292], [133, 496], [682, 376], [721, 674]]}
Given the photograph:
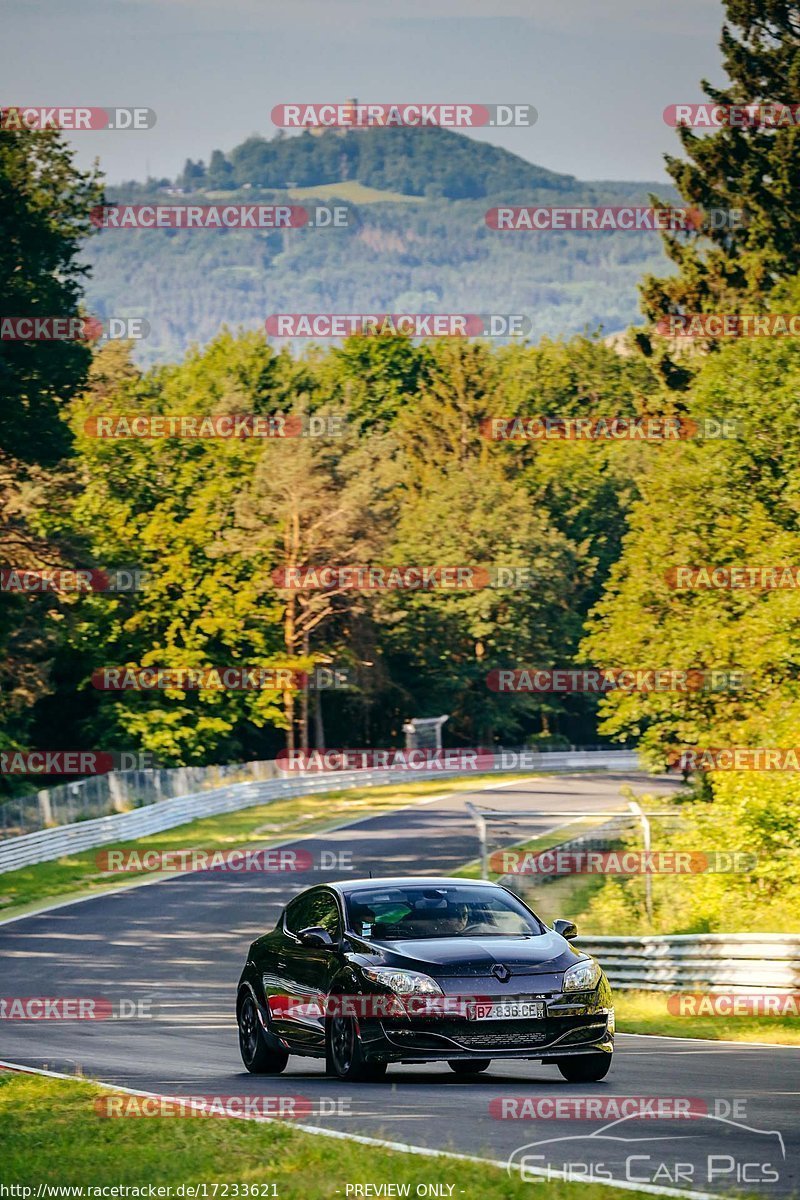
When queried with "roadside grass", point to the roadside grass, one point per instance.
{"points": [[51, 1134], [262, 826], [647, 1012]]}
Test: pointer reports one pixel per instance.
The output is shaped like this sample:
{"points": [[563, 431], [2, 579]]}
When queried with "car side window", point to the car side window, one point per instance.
{"points": [[299, 914], [326, 913], [317, 908]]}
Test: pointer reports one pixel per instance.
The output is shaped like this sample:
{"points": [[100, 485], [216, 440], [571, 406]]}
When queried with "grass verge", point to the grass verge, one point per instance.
{"points": [[262, 826], [647, 1012], [51, 1134]]}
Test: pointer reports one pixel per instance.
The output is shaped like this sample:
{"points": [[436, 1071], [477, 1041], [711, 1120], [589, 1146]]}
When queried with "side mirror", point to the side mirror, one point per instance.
{"points": [[315, 937], [566, 928]]}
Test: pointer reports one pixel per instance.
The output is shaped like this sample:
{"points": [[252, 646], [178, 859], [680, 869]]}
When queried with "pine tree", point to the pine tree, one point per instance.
{"points": [[193, 174], [220, 171], [753, 169]]}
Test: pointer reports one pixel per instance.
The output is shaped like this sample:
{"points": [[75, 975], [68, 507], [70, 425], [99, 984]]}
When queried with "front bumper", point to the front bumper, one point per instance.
{"points": [[572, 1025]]}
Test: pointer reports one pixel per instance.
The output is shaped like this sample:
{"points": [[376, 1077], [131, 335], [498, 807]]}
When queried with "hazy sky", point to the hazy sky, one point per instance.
{"points": [[600, 72]]}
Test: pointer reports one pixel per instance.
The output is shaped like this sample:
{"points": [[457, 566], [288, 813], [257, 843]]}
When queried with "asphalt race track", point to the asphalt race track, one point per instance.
{"points": [[179, 944]]}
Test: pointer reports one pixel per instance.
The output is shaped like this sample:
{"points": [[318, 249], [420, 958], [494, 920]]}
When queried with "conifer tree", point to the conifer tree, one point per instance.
{"points": [[752, 169]]}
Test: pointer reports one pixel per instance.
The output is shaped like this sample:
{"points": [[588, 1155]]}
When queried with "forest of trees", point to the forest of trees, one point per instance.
{"points": [[415, 162], [408, 477], [427, 256]]}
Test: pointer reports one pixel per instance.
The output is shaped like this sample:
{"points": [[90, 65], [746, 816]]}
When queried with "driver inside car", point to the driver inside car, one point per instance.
{"points": [[456, 921]]}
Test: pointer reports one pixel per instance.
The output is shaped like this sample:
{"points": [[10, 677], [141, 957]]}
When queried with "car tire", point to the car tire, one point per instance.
{"points": [[469, 1068], [585, 1068], [257, 1055], [344, 1053]]}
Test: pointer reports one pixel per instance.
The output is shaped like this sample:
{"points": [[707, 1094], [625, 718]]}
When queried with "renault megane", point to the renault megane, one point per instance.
{"points": [[412, 970]]}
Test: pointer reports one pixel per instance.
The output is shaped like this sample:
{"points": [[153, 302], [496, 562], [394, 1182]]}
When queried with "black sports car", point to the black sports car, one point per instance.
{"points": [[375, 971]]}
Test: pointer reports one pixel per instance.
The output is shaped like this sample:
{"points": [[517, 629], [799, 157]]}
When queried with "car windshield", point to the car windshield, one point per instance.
{"points": [[457, 910]]}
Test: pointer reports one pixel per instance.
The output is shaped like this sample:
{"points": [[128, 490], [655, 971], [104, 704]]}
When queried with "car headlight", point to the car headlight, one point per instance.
{"points": [[404, 983], [612, 1024], [583, 977]]}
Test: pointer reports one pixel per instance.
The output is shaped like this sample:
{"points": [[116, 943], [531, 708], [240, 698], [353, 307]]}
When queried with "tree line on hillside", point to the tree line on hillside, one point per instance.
{"points": [[415, 162], [402, 474]]}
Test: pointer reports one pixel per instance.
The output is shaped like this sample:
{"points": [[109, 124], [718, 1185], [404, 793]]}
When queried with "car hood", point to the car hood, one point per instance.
{"points": [[548, 953]]}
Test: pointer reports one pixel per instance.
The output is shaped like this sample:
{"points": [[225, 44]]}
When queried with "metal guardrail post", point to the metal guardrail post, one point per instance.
{"points": [[45, 808], [480, 822], [638, 811]]}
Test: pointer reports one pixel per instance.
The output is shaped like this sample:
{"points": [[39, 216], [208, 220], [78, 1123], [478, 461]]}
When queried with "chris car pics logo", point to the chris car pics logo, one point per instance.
{"points": [[715, 1149]]}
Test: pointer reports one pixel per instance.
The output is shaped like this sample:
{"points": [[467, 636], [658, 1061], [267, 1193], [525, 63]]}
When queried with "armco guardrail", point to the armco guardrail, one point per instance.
{"points": [[120, 791], [722, 962], [49, 844]]}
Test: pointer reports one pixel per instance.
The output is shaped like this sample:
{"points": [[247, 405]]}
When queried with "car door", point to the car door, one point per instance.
{"points": [[281, 990], [307, 970]]}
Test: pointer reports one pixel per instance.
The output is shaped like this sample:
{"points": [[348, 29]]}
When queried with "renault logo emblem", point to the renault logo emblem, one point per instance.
{"points": [[501, 972]]}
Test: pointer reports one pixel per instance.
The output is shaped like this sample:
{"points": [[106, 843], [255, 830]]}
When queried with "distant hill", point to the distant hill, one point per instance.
{"points": [[414, 162], [419, 242]]}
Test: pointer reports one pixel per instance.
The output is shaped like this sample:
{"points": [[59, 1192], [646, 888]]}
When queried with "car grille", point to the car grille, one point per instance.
{"points": [[510, 1035], [513, 1038]]}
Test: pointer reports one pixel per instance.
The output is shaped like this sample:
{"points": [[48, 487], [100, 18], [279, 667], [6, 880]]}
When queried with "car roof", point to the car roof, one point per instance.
{"points": [[346, 886]]}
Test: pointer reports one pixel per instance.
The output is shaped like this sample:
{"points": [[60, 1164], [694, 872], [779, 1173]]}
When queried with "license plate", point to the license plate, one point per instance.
{"points": [[506, 1010]]}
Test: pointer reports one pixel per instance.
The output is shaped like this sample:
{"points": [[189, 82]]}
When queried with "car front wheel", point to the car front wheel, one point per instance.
{"points": [[585, 1068], [257, 1056], [345, 1053]]}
